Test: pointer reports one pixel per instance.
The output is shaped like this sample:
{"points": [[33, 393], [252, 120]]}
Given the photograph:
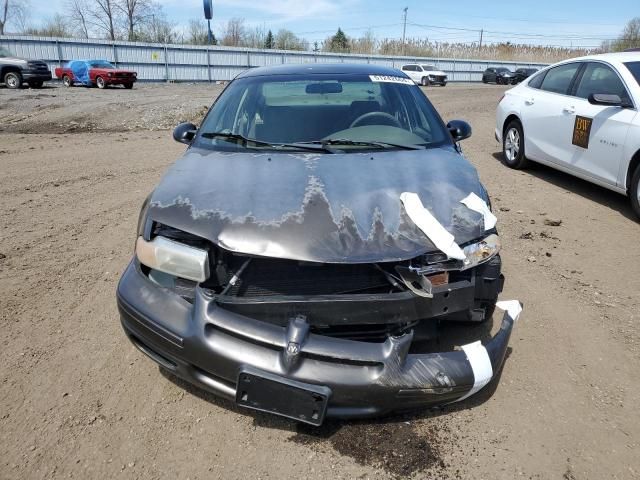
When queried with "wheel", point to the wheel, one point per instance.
{"points": [[13, 80], [36, 84], [100, 82], [634, 191], [513, 146], [498, 81], [128, 86], [484, 79], [424, 82], [443, 84], [66, 81]]}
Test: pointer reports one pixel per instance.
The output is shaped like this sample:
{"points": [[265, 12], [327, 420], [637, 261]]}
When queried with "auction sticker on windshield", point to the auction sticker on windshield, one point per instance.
{"points": [[391, 79], [581, 131]]}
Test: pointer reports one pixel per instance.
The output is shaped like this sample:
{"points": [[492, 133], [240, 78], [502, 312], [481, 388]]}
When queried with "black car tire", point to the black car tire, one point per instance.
{"points": [[128, 86], [424, 82], [36, 84], [634, 192], [100, 82], [13, 80], [484, 79], [513, 155], [66, 81], [443, 84]]}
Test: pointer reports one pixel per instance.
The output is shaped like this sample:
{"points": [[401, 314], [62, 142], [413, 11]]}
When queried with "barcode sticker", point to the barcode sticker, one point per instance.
{"points": [[391, 79]]}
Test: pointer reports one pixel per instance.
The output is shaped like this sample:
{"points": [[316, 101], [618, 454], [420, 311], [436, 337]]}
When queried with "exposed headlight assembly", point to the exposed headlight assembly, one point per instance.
{"points": [[174, 258], [481, 252]]}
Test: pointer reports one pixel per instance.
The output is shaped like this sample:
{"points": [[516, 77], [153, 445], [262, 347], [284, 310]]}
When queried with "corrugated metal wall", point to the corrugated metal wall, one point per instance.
{"points": [[157, 62]]}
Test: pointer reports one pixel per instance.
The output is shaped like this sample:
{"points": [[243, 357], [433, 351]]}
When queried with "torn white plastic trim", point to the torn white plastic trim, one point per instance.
{"points": [[431, 227], [480, 364], [512, 307], [475, 203]]}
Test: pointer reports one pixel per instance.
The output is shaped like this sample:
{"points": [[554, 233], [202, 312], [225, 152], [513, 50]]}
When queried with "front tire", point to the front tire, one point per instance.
{"points": [[13, 80], [634, 192], [128, 86], [513, 146], [36, 84], [101, 83], [66, 81], [424, 82]]}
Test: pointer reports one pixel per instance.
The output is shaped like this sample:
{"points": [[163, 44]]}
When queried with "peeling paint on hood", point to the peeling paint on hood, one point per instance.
{"points": [[331, 208]]}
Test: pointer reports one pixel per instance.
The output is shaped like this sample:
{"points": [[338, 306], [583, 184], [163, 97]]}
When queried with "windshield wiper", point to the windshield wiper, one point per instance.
{"points": [[358, 143], [245, 141]]}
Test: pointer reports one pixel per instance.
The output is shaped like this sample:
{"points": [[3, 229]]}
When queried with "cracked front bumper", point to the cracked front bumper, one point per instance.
{"points": [[210, 346]]}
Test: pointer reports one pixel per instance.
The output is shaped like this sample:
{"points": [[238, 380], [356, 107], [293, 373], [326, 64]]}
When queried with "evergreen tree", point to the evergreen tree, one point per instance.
{"points": [[269, 42], [339, 42]]}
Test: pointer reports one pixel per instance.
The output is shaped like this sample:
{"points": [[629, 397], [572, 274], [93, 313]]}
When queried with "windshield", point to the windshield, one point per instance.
{"points": [[502, 70], [100, 64], [348, 111], [429, 67], [5, 53], [634, 68]]}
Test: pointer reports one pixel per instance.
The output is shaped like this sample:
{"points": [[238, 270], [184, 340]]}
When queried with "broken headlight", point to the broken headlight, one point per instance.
{"points": [[173, 258], [482, 251]]}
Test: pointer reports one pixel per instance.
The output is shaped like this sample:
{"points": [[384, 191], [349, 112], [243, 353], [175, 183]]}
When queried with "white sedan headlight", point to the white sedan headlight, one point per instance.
{"points": [[481, 252], [174, 258]]}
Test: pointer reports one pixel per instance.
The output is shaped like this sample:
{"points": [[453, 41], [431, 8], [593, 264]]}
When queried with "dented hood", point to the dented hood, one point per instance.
{"points": [[333, 208]]}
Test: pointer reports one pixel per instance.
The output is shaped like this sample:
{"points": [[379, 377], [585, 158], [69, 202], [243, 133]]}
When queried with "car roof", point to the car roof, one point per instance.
{"points": [[617, 57], [322, 68]]}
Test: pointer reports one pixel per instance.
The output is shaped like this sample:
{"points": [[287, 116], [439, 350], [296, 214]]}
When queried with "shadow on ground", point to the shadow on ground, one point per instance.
{"points": [[614, 201]]}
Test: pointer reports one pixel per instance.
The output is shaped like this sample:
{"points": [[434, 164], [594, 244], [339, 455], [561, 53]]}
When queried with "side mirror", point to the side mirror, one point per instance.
{"points": [[607, 100], [184, 132], [459, 130]]}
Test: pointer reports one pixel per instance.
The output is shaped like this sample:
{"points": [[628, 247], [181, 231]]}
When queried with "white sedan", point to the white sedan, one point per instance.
{"points": [[579, 116]]}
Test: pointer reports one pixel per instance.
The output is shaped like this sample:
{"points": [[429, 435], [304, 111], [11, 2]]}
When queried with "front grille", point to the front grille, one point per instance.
{"points": [[271, 277]]}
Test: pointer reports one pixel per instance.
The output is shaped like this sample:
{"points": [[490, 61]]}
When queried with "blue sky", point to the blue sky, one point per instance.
{"points": [[550, 22]]}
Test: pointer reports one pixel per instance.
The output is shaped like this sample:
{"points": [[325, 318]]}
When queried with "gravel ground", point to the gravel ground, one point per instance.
{"points": [[77, 400]]}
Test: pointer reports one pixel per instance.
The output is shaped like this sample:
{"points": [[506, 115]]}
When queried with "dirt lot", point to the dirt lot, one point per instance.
{"points": [[77, 400]]}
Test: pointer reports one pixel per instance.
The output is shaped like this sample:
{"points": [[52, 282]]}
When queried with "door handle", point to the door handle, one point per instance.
{"points": [[569, 110], [530, 101]]}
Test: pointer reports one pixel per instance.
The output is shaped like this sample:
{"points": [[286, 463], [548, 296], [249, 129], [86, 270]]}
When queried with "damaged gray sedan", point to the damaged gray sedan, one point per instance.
{"points": [[319, 230]]}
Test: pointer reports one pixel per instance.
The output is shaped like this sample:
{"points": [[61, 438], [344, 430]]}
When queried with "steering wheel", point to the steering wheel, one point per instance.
{"points": [[384, 117]]}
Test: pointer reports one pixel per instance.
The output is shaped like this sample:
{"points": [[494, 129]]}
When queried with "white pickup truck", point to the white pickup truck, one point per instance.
{"points": [[425, 74]]}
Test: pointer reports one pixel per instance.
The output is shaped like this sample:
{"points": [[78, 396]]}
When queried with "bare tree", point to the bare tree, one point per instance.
{"points": [[287, 40], [135, 13], [630, 37], [197, 32], [56, 26], [255, 37], [157, 28], [102, 15], [14, 11], [235, 33], [78, 16]]}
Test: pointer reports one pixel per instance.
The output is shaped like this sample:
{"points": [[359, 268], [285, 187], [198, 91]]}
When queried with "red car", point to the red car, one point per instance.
{"points": [[95, 72]]}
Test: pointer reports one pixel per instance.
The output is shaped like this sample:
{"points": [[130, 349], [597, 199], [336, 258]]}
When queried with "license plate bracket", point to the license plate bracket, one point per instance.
{"points": [[271, 393]]}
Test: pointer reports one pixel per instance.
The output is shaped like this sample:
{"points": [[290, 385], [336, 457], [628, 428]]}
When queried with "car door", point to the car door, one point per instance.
{"points": [[547, 118], [601, 150], [411, 71], [490, 75]]}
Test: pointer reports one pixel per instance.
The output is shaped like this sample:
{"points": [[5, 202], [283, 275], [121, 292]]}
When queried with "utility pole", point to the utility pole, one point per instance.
{"points": [[404, 28], [481, 32]]}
